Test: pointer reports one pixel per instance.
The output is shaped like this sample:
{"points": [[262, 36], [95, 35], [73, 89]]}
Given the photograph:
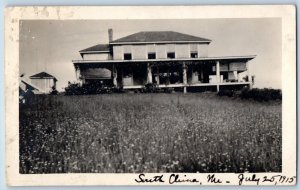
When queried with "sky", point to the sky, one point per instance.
{"points": [[51, 45]]}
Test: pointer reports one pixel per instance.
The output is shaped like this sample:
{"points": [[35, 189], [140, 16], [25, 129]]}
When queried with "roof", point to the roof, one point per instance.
{"points": [[96, 48], [160, 37], [42, 75], [28, 86]]}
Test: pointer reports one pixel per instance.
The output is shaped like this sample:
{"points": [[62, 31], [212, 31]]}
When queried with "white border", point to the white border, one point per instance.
{"points": [[14, 14]]}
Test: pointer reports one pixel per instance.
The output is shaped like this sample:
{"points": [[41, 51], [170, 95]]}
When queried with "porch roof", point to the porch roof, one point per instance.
{"points": [[96, 48], [42, 75], [177, 60]]}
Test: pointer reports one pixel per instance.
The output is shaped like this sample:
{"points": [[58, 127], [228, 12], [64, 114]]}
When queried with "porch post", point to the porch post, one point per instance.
{"points": [[149, 73], [114, 75], [191, 79], [122, 73], [168, 76], [218, 75], [218, 71], [78, 76], [77, 72], [249, 74], [201, 74], [157, 75], [184, 75], [235, 73]]}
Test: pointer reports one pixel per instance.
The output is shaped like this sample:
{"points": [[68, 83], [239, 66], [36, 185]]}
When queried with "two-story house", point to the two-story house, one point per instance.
{"points": [[167, 58]]}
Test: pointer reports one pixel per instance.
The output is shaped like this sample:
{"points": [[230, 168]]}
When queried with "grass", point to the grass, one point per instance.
{"points": [[133, 133]]}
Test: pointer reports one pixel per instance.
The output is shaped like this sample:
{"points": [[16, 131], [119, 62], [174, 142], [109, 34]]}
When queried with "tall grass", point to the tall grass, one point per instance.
{"points": [[149, 133]]}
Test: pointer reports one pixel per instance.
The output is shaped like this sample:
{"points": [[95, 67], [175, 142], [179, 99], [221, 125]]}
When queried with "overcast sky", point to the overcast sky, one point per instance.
{"points": [[52, 45]]}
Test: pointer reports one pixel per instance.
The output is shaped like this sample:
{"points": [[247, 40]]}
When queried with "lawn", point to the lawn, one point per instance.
{"points": [[133, 133]]}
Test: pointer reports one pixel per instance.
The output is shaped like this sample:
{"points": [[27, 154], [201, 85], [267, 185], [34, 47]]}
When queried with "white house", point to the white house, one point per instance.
{"points": [[169, 59], [44, 81]]}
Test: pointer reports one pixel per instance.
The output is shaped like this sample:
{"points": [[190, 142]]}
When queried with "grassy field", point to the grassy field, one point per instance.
{"points": [[133, 133]]}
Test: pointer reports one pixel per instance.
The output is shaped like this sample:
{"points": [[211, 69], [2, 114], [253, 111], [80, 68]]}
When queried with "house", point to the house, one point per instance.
{"points": [[44, 82], [167, 58]]}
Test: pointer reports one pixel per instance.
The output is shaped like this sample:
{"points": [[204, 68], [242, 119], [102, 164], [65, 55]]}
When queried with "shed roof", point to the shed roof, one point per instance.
{"points": [[159, 36], [28, 85], [96, 48], [42, 75]]}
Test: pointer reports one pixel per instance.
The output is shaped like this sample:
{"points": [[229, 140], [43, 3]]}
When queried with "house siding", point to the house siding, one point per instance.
{"points": [[44, 84], [182, 51], [202, 50], [96, 56], [141, 51], [118, 52], [237, 66], [96, 73], [161, 51]]}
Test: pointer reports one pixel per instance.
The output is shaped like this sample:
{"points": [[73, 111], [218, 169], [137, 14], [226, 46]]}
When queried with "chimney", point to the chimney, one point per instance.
{"points": [[110, 35]]}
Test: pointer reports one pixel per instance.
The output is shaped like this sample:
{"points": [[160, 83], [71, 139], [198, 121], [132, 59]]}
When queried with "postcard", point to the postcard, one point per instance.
{"points": [[150, 95]]}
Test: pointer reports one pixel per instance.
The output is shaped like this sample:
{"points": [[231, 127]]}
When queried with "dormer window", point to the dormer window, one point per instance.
{"points": [[152, 55], [194, 54], [171, 55], [127, 56]]}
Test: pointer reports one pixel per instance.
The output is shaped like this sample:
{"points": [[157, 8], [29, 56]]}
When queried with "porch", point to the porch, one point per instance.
{"points": [[173, 73]]}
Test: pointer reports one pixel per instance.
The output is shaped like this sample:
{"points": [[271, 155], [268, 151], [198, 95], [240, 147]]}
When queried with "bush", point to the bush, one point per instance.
{"points": [[169, 90], [77, 89], [150, 88], [73, 89], [54, 92], [229, 93], [265, 94]]}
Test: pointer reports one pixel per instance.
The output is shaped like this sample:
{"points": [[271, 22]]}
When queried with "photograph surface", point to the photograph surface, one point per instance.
{"points": [[150, 96]]}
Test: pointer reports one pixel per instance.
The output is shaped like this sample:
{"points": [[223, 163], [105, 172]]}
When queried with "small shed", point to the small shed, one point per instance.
{"points": [[44, 81]]}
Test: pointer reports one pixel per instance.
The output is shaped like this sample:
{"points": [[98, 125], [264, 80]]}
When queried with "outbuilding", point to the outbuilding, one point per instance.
{"points": [[44, 81]]}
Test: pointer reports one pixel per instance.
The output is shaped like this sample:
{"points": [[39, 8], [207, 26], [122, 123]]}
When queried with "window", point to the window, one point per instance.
{"points": [[127, 56], [194, 54], [171, 55], [151, 56]]}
